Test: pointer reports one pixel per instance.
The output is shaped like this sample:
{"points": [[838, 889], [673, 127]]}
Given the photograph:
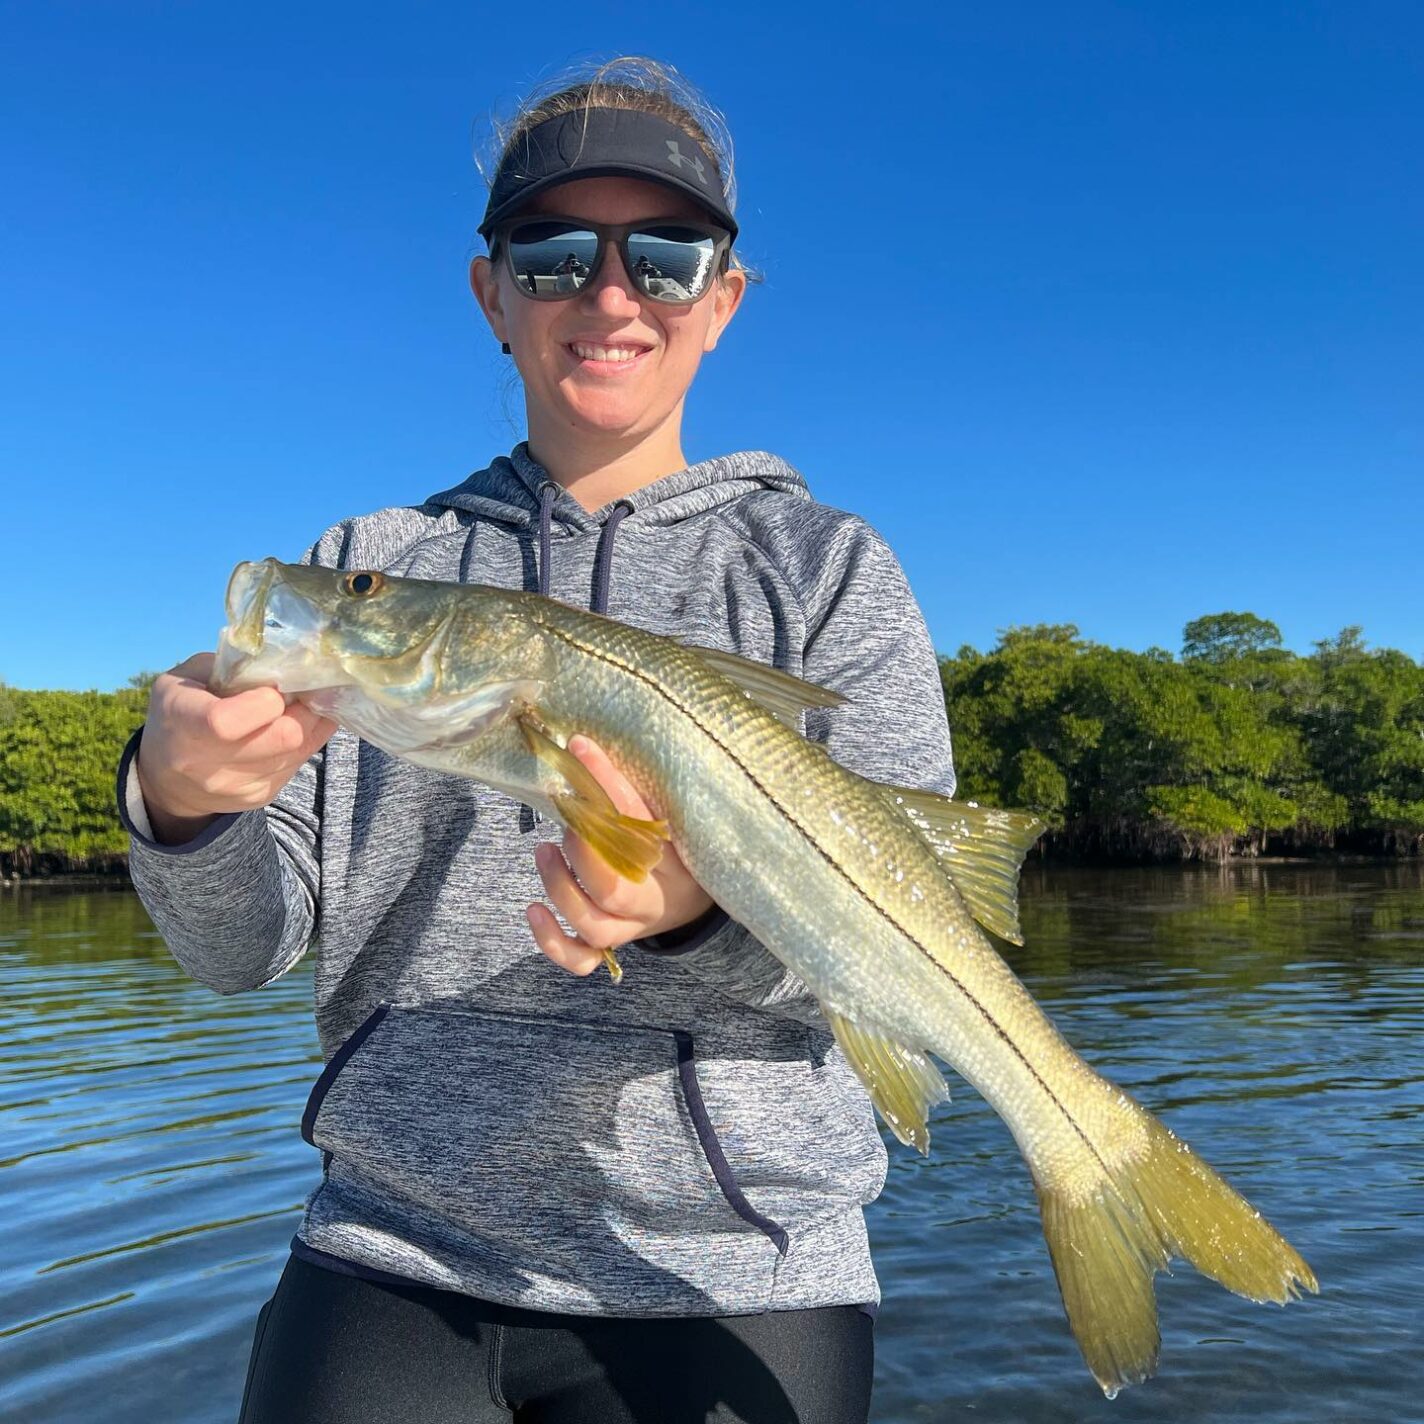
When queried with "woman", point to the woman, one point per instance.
{"points": [[546, 1196]]}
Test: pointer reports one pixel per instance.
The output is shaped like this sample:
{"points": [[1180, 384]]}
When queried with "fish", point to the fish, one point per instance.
{"points": [[877, 897]]}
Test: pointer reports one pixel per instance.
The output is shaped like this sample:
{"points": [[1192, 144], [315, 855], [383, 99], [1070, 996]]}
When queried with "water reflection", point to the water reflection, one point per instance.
{"points": [[150, 1169], [151, 1172]]}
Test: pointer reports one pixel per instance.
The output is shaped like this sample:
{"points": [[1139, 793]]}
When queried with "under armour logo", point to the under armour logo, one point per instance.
{"points": [[677, 156]]}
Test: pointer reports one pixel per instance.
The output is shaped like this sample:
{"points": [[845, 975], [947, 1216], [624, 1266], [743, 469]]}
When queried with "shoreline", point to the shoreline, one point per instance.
{"points": [[118, 878]]}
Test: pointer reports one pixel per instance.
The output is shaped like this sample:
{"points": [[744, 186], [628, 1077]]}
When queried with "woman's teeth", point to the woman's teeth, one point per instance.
{"points": [[605, 353]]}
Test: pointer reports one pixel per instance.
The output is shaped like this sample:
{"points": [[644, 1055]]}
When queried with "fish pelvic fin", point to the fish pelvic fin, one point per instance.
{"points": [[981, 849], [1108, 1239], [903, 1083], [627, 844]]}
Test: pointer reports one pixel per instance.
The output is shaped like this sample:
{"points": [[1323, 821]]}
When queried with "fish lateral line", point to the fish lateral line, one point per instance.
{"points": [[980, 1007]]}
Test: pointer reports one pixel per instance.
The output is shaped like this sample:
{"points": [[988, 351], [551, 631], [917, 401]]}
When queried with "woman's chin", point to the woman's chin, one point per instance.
{"points": [[610, 417]]}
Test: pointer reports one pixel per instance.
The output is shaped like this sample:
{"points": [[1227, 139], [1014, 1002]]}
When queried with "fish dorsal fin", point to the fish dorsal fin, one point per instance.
{"points": [[781, 693], [982, 849], [903, 1084]]}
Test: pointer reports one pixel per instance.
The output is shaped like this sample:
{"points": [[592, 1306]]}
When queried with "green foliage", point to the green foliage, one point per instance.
{"points": [[1239, 745], [58, 755], [1366, 715], [1221, 636]]}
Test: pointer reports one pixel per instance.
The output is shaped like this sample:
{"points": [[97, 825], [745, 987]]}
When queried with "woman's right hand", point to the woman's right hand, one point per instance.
{"points": [[201, 755]]}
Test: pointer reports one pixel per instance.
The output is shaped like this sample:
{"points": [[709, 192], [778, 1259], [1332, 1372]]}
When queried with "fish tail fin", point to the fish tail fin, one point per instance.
{"points": [[1157, 1200]]}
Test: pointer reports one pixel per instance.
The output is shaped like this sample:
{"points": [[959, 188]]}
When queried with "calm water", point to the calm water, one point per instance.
{"points": [[151, 1173]]}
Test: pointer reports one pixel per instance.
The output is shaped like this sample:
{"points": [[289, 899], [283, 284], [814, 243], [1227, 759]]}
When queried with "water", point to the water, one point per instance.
{"points": [[151, 1173]]}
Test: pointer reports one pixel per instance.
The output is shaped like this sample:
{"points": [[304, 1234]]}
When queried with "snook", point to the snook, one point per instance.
{"points": [[869, 893]]}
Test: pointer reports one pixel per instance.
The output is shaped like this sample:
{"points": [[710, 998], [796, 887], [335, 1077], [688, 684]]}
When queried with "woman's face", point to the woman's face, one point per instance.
{"points": [[565, 392]]}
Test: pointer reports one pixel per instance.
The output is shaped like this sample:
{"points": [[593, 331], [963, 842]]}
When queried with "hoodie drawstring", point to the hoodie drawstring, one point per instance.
{"points": [[603, 555], [547, 495]]}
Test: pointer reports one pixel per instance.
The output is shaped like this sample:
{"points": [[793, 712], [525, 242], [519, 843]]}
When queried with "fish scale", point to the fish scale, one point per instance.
{"points": [[854, 900]]}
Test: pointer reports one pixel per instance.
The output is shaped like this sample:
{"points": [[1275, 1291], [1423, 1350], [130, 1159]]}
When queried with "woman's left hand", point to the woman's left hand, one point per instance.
{"points": [[603, 908]]}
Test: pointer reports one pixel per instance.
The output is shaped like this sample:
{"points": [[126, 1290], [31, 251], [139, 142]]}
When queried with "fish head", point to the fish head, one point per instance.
{"points": [[301, 627]]}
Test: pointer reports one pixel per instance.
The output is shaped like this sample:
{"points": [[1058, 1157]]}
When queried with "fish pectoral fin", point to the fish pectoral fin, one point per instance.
{"points": [[627, 844], [903, 1083], [981, 848], [781, 693]]}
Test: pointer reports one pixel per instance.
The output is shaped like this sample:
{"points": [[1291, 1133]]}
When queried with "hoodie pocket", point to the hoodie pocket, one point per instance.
{"points": [[531, 1136]]}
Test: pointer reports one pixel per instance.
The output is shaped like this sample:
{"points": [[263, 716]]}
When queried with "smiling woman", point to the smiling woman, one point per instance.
{"points": [[606, 365], [547, 1196], [618, 205]]}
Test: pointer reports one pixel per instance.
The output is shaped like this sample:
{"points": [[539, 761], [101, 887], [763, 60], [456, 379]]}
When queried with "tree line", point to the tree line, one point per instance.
{"points": [[59, 752], [1236, 746]]}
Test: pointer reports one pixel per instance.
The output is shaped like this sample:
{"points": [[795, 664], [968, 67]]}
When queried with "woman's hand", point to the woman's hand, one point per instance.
{"points": [[602, 907], [202, 755]]}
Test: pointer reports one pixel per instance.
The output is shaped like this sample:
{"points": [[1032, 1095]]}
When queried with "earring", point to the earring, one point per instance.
{"points": [[504, 346]]}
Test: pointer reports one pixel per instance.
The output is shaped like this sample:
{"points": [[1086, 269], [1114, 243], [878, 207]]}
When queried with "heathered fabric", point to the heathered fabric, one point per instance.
{"points": [[689, 1142]]}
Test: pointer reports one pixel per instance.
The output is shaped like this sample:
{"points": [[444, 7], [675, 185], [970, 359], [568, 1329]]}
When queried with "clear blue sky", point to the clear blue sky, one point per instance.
{"points": [[1168, 360]]}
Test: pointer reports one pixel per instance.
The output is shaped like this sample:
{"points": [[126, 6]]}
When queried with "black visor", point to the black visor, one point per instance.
{"points": [[599, 143]]}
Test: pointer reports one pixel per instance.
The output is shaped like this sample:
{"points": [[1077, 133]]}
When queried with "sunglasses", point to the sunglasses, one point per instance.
{"points": [[667, 260]]}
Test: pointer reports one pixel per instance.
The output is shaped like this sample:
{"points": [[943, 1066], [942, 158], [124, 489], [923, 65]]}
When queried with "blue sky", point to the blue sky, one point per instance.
{"points": [[1167, 360]]}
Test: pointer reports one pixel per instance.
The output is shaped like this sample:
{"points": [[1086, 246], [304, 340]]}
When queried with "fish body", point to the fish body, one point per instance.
{"points": [[868, 893]]}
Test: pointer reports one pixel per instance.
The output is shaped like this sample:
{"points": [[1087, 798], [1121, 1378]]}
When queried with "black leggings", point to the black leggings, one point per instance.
{"points": [[334, 1349]]}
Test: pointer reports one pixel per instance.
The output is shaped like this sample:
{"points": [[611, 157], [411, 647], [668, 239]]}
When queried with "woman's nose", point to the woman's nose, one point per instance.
{"points": [[609, 288]]}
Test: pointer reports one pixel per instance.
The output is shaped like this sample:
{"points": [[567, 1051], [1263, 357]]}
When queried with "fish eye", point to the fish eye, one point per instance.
{"points": [[362, 585]]}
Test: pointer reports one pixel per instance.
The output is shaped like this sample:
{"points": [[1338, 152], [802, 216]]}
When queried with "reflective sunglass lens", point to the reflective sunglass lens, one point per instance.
{"points": [[671, 264], [552, 259]]}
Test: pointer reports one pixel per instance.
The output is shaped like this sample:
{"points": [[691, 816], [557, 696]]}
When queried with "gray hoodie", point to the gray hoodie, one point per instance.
{"points": [[689, 1142]]}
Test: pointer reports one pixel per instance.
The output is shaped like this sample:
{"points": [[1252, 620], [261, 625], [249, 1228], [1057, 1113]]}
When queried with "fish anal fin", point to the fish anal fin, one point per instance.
{"points": [[902, 1083], [627, 844], [981, 848], [781, 693]]}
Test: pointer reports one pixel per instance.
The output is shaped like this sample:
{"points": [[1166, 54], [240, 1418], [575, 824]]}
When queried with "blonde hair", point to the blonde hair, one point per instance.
{"points": [[631, 81]]}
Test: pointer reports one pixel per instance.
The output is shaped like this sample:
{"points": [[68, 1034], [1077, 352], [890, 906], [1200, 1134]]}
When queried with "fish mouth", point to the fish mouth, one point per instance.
{"points": [[273, 637], [245, 600]]}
